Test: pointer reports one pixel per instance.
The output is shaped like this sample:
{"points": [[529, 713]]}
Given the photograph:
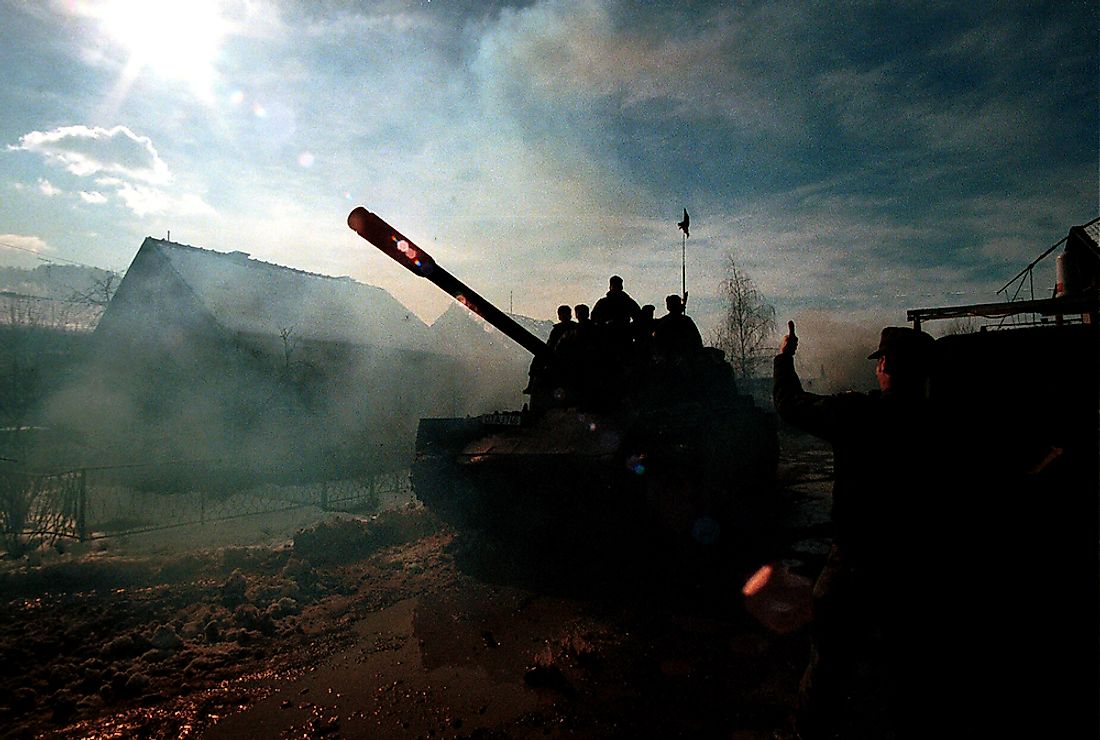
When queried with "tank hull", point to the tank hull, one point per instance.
{"points": [[700, 477]]}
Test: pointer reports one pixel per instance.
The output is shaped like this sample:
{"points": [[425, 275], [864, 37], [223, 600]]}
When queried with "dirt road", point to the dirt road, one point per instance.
{"points": [[417, 633]]}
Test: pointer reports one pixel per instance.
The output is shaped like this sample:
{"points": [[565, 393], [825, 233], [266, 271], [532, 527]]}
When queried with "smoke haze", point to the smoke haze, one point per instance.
{"points": [[832, 354]]}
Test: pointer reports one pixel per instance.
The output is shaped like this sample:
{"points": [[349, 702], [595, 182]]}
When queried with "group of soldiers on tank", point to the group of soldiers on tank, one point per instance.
{"points": [[587, 360]]}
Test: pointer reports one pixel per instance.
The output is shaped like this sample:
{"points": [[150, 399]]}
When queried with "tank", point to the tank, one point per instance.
{"points": [[659, 450]]}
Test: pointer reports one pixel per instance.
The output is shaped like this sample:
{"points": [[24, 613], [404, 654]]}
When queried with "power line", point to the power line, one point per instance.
{"points": [[50, 259], [40, 298]]}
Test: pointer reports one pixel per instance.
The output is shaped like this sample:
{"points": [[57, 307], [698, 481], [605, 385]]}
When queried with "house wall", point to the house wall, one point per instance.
{"points": [[169, 382]]}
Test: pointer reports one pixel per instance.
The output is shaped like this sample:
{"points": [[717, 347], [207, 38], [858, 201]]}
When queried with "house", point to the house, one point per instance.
{"points": [[204, 355], [498, 363]]}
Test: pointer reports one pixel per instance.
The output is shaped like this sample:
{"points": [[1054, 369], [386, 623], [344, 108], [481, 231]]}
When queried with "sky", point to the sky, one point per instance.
{"points": [[854, 158]]}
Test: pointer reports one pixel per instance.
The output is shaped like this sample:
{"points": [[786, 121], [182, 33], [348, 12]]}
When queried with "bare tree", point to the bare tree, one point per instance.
{"points": [[962, 325], [748, 323], [290, 343], [95, 299]]}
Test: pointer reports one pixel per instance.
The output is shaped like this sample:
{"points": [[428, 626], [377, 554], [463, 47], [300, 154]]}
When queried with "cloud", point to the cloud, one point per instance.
{"points": [[830, 249], [144, 201], [121, 161], [851, 155], [900, 115], [563, 129], [837, 150], [581, 53], [86, 151], [20, 250], [26, 243], [47, 188]]}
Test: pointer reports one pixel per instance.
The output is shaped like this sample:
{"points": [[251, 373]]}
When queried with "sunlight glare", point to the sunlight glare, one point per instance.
{"points": [[176, 39]]}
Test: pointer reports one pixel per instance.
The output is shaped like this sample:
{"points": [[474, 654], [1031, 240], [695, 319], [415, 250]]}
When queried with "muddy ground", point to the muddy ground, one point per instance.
{"points": [[398, 627]]}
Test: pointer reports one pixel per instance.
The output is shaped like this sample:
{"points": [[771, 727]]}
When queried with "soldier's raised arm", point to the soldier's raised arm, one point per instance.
{"points": [[789, 344]]}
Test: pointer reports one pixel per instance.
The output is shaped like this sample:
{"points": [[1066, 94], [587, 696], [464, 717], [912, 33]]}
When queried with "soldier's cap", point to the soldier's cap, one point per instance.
{"points": [[903, 341]]}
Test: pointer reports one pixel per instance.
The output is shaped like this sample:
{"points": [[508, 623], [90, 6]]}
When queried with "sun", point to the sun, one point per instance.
{"points": [[175, 39]]}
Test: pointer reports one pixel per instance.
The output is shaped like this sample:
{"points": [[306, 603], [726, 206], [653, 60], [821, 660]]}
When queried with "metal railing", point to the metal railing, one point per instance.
{"points": [[100, 502]]}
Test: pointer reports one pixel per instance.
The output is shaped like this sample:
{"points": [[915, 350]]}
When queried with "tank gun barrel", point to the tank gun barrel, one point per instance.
{"points": [[402, 250]]}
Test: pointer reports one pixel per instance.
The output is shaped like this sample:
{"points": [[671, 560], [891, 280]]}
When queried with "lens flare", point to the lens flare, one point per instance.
{"points": [[757, 581]]}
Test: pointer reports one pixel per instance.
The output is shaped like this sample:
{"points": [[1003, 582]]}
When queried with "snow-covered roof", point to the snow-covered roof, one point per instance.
{"points": [[460, 328], [250, 296], [1092, 230]]}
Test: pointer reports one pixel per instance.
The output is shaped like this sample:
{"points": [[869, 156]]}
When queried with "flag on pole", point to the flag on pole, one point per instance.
{"points": [[683, 256]]}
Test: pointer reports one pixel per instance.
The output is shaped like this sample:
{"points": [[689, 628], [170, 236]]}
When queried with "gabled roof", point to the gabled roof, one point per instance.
{"points": [[1092, 228], [459, 330], [249, 296], [1091, 232], [539, 327]]}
